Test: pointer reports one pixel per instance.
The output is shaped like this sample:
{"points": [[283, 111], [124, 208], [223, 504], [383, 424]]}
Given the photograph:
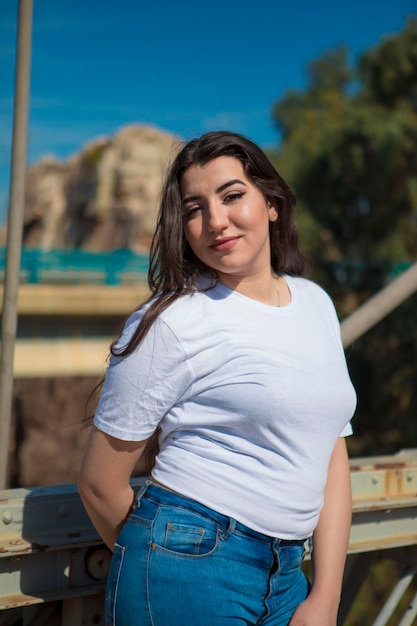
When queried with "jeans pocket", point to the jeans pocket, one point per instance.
{"points": [[184, 533], [113, 583]]}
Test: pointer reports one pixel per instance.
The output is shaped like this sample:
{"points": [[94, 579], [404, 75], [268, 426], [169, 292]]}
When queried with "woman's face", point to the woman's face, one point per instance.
{"points": [[226, 219]]}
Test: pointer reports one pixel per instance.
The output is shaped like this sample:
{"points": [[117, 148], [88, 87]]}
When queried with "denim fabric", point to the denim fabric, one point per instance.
{"points": [[179, 563]]}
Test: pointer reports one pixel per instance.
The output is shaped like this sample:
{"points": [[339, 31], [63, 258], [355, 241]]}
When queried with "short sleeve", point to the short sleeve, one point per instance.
{"points": [[347, 431], [140, 389]]}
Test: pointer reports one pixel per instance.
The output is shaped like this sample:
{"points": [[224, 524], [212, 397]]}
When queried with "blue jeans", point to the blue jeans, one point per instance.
{"points": [[179, 563]]}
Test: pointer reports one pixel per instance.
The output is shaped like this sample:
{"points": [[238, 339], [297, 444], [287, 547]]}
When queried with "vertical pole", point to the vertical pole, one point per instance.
{"points": [[14, 227]]}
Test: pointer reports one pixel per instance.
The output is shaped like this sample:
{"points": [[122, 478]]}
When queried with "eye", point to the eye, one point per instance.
{"points": [[191, 212], [235, 196]]}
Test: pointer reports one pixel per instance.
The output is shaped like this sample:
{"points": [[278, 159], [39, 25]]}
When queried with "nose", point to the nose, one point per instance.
{"points": [[217, 217]]}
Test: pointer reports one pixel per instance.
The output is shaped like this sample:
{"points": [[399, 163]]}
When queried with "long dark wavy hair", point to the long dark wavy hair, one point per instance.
{"points": [[173, 266]]}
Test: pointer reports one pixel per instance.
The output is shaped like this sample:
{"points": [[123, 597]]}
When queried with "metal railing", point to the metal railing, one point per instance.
{"points": [[76, 265], [79, 266], [53, 565]]}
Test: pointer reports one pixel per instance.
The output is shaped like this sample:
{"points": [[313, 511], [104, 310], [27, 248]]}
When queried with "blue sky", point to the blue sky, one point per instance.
{"points": [[183, 66]]}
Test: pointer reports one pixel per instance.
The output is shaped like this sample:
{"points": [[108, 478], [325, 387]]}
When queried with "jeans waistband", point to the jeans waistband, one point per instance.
{"points": [[159, 495]]}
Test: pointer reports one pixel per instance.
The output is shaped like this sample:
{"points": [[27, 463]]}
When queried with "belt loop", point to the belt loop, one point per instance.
{"points": [[230, 529], [142, 490], [308, 546]]}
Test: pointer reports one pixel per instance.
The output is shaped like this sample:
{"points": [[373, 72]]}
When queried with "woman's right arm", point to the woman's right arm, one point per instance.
{"points": [[104, 481]]}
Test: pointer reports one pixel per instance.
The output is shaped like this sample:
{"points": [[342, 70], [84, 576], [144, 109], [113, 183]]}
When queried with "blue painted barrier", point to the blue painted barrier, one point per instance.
{"points": [[79, 266], [123, 265]]}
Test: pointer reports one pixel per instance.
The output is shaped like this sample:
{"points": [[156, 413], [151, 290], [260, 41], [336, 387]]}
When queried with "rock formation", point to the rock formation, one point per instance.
{"points": [[103, 198]]}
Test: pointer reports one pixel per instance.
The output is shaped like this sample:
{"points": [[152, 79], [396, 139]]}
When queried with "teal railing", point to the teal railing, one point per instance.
{"points": [[124, 265], [79, 266]]}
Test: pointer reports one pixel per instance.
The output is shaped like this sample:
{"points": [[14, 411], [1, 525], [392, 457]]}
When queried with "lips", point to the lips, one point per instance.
{"points": [[226, 243]]}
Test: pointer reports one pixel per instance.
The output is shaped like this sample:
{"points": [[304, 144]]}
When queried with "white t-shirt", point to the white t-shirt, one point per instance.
{"points": [[251, 400]]}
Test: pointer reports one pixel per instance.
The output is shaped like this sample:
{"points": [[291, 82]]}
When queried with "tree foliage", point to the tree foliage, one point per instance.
{"points": [[349, 151]]}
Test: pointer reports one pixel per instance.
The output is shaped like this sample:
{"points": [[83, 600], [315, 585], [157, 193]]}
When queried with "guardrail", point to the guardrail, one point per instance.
{"points": [[53, 565], [77, 266]]}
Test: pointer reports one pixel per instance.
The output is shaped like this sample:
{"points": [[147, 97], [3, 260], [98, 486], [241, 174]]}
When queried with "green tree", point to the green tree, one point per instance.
{"points": [[351, 157], [349, 151]]}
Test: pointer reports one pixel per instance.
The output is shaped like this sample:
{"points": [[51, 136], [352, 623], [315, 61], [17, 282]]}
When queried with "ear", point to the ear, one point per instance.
{"points": [[272, 213]]}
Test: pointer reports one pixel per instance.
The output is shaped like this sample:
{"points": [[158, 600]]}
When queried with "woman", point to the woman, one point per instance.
{"points": [[236, 362]]}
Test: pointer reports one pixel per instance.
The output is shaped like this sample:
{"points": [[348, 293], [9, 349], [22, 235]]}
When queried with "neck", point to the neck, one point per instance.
{"points": [[265, 287]]}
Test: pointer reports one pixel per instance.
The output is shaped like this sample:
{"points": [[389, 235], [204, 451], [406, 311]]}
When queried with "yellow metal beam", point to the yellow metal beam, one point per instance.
{"points": [[72, 355], [79, 299], [38, 358]]}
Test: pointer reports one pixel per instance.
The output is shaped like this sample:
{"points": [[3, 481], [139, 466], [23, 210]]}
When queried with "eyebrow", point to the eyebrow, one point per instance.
{"points": [[218, 190]]}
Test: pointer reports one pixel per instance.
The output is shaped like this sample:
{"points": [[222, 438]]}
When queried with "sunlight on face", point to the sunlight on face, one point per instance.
{"points": [[226, 219]]}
